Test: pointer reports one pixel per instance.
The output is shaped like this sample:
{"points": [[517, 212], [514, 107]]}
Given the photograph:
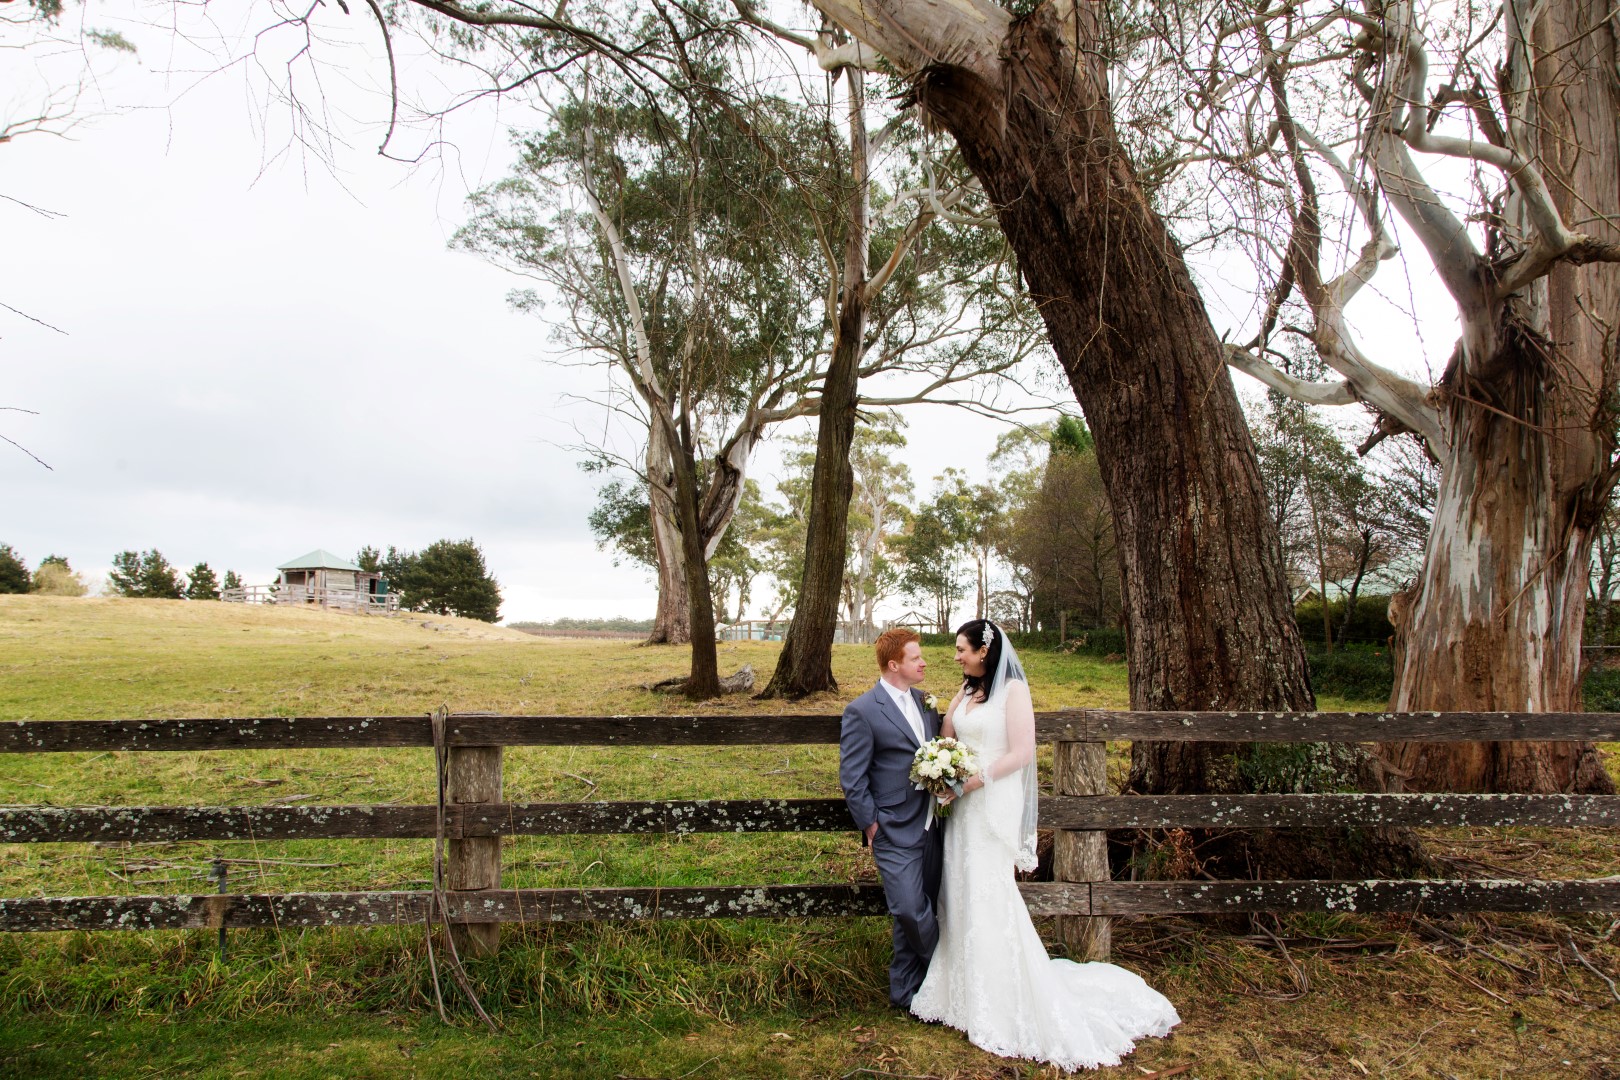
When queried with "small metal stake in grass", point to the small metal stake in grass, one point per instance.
{"points": [[218, 872]]}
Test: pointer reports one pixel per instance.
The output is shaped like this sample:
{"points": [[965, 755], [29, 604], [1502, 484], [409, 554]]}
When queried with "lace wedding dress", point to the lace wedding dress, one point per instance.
{"points": [[990, 975]]}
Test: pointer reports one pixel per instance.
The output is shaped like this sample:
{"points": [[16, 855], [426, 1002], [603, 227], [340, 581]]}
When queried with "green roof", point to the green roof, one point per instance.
{"points": [[319, 559]]}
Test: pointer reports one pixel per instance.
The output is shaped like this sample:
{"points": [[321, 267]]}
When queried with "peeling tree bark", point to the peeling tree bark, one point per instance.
{"points": [[1496, 620], [672, 624]]}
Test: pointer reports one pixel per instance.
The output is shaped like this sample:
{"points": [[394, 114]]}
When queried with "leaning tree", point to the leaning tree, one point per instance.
{"points": [[1026, 98]]}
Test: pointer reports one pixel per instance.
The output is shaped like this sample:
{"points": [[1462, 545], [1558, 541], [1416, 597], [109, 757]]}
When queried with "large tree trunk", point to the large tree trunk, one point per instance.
{"points": [[805, 664], [704, 680], [1496, 620]]}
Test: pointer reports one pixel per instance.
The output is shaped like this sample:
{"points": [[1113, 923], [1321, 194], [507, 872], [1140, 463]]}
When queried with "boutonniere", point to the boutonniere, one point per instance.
{"points": [[931, 702]]}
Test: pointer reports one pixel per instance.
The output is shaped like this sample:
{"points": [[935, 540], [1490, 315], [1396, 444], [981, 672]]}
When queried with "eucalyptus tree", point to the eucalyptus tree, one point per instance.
{"points": [[917, 285], [674, 242], [1495, 139]]}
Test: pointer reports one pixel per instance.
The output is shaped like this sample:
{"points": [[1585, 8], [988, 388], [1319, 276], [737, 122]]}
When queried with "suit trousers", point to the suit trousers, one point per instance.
{"points": [[911, 888]]}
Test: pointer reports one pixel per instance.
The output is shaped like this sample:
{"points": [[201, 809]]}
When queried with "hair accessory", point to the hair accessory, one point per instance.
{"points": [[989, 633]]}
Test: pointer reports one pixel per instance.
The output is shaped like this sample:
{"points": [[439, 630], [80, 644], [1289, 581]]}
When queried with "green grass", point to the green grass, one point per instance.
{"points": [[698, 999]]}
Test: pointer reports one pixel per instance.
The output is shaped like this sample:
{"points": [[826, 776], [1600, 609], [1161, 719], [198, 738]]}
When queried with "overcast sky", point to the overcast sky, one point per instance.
{"points": [[252, 353]]}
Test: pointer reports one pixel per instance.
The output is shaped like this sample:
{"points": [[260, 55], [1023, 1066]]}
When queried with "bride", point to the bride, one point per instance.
{"points": [[990, 975]]}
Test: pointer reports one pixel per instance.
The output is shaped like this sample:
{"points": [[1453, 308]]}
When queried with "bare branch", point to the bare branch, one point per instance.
{"points": [[1311, 393]]}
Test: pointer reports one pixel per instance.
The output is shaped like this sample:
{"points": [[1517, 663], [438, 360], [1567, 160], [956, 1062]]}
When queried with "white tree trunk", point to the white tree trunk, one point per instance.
{"points": [[672, 625]]}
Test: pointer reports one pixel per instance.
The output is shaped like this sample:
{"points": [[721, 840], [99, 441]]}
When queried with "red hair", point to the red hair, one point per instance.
{"points": [[891, 645]]}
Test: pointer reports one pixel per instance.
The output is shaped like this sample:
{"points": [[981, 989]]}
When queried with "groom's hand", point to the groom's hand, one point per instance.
{"points": [[871, 831]]}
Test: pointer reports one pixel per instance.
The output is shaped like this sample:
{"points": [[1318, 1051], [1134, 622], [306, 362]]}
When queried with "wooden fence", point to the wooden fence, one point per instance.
{"points": [[472, 816], [339, 599]]}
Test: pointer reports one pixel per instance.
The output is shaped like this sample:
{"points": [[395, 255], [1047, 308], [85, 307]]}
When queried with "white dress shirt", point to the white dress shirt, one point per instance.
{"points": [[908, 709]]}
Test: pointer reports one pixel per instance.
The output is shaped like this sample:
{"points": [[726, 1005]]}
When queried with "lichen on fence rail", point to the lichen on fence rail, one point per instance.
{"points": [[477, 729]]}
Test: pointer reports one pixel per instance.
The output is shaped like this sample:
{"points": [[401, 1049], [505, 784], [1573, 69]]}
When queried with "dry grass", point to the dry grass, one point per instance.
{"points": [[1311, 996]]}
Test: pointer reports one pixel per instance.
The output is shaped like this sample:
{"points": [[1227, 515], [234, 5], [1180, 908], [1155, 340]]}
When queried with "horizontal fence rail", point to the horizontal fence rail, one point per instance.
{"points": [[475, 816], [1073, 725], [167, 824], [1095, 899]]}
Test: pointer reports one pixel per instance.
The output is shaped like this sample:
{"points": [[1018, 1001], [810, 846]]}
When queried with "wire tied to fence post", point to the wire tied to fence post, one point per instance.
{"points": [[217, 873], [441, 900]]}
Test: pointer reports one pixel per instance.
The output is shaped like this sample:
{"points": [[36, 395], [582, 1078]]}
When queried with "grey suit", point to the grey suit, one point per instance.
{"points": [[875, 749]]}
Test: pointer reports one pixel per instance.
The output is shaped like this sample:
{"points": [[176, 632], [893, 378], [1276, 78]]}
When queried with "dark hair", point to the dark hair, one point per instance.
{"points": [[978, 687]]}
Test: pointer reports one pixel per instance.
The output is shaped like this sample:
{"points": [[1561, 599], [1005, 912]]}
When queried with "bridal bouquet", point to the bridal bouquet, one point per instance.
{"points": [[942, 765]]}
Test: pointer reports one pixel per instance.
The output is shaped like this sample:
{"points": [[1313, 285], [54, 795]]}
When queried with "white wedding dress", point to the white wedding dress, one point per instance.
{"points": [[990, 975]]}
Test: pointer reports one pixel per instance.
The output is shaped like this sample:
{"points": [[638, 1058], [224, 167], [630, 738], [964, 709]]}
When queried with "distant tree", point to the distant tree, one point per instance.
{"points": [[159, 580], [877, 513], [204, 585], [398, 570], [13, 572], [449, 578], [1342, 524], [146, 575], [619, 624], [1071, 436], [976, 515], [54, 577], [1017, 466], [931, 554], [741, 557], [125, 578], [1059, 535], [232, 580]]}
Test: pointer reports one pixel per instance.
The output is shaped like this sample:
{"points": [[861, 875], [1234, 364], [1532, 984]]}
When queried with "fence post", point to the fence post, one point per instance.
{"points": [[473, 775], [1081, 768]]}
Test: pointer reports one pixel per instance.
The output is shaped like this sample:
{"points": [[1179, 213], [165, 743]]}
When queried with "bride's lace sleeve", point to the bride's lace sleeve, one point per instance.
{"points": [[1020, 733], [1019, 761]]}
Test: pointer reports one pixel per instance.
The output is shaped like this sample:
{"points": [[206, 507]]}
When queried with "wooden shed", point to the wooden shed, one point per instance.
{"points": [[323, 578]]}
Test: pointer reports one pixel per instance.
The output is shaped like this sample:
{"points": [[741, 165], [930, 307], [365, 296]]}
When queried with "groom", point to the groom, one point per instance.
{"points": [[881, 731]]}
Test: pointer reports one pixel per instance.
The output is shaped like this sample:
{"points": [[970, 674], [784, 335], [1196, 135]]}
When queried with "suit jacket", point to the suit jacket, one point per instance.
{"points": [[875, 749]]}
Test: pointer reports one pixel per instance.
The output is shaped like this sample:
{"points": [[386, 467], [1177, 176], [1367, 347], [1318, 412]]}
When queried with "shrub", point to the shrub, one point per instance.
{"points": [[1361, 673], [1369, 626], [1103, 641], [56, 578], [1600, 690]]}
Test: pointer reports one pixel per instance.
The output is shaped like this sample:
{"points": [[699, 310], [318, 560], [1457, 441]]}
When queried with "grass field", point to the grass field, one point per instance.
{"points": [[1317, 996]]}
